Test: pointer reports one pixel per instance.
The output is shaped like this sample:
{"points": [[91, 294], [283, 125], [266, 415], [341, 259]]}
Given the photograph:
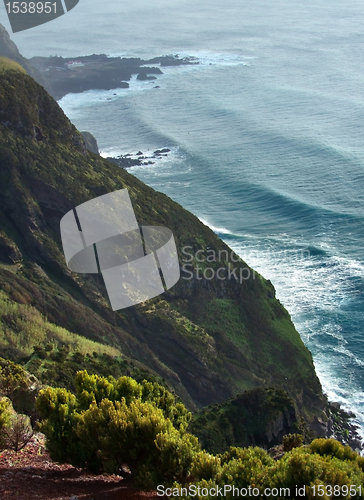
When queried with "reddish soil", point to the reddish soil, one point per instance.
{"points": [[30, 474]]}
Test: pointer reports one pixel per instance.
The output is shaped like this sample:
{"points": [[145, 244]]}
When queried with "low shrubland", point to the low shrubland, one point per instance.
{"points": [[118, 425]]}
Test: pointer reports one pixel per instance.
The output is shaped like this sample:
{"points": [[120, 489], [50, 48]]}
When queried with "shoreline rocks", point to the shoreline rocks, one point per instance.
{"points": [[61, 76], [340, 427], [132, 160]]}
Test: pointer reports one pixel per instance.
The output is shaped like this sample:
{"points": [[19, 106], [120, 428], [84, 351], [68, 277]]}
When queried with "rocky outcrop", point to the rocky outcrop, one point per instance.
{"points": [[91, 142], [77, 74], [339, 425], [60, 76], [282, 425], [148, 73]]}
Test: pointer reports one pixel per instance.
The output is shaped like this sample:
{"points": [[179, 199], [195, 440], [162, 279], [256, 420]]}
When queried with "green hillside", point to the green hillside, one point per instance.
{"points": [[210, 339], [7, 64]]}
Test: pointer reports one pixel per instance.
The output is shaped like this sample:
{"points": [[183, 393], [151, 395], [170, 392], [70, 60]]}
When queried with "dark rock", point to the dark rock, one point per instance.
{"points": [[340, 427], [173, 60], [144, 77], [161, 151], [91, 142], [259, 417], [125, 162], [145, 73]]}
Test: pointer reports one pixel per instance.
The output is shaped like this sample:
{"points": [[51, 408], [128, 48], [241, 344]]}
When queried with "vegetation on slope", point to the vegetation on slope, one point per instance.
{"points": [[259, 416], [127, 428], [110, 424], [7, 64], [210, 339]]}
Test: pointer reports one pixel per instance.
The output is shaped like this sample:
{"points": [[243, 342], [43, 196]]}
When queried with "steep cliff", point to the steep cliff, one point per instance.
{"points": [[10, 50], [212, 336]]}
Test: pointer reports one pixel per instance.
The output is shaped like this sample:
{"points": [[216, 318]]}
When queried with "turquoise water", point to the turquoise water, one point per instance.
{"points": [[266, 139]]}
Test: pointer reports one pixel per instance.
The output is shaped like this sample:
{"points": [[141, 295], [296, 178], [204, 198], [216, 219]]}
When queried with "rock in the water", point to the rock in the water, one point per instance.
{"points": [[161, 151]]}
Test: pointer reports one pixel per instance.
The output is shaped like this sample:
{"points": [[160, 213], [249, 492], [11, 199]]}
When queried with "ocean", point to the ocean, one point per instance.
{"points": [[266, 140]]}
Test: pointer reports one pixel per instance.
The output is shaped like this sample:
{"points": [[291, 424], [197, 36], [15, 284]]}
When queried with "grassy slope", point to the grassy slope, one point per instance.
{"points": [[8, 64], [209, 339]]}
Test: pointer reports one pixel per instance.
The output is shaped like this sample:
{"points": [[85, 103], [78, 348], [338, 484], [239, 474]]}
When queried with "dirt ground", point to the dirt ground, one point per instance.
{"points": [[30, 474]]}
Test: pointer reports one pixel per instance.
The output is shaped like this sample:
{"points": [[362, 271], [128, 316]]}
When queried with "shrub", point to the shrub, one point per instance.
{"points": [[291, 441], [247, 467], [300, 467], [205, 466], [12, 377], [332, 448], [18, 432], [176, 455], [5, 407], [111, 422], [57, 409]]}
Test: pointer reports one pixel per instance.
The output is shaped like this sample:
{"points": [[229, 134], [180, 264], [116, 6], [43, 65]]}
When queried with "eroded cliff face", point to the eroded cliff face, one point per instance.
{"points": [[209, 338]]}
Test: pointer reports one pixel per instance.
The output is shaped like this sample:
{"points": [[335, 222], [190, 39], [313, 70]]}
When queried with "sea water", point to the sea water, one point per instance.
{"points": [[266, 139]]}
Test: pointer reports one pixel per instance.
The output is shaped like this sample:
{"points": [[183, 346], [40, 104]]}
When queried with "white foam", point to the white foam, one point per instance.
{"points": [[73, 103], [161, 164], [313, 288], [218, 230], [203, 57]]}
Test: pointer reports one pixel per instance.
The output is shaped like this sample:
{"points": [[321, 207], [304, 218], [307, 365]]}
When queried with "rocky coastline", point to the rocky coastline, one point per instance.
{"points": [[340, 426], [61, 75], [132, 160]]}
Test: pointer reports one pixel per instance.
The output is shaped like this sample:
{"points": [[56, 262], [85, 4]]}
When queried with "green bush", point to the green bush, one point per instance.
{"points": [[205, 466], [301, 467], [111, 422], [332, 448], [57, 409], [5, 406], [176, 456], [291, 441], [12, 377]]}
